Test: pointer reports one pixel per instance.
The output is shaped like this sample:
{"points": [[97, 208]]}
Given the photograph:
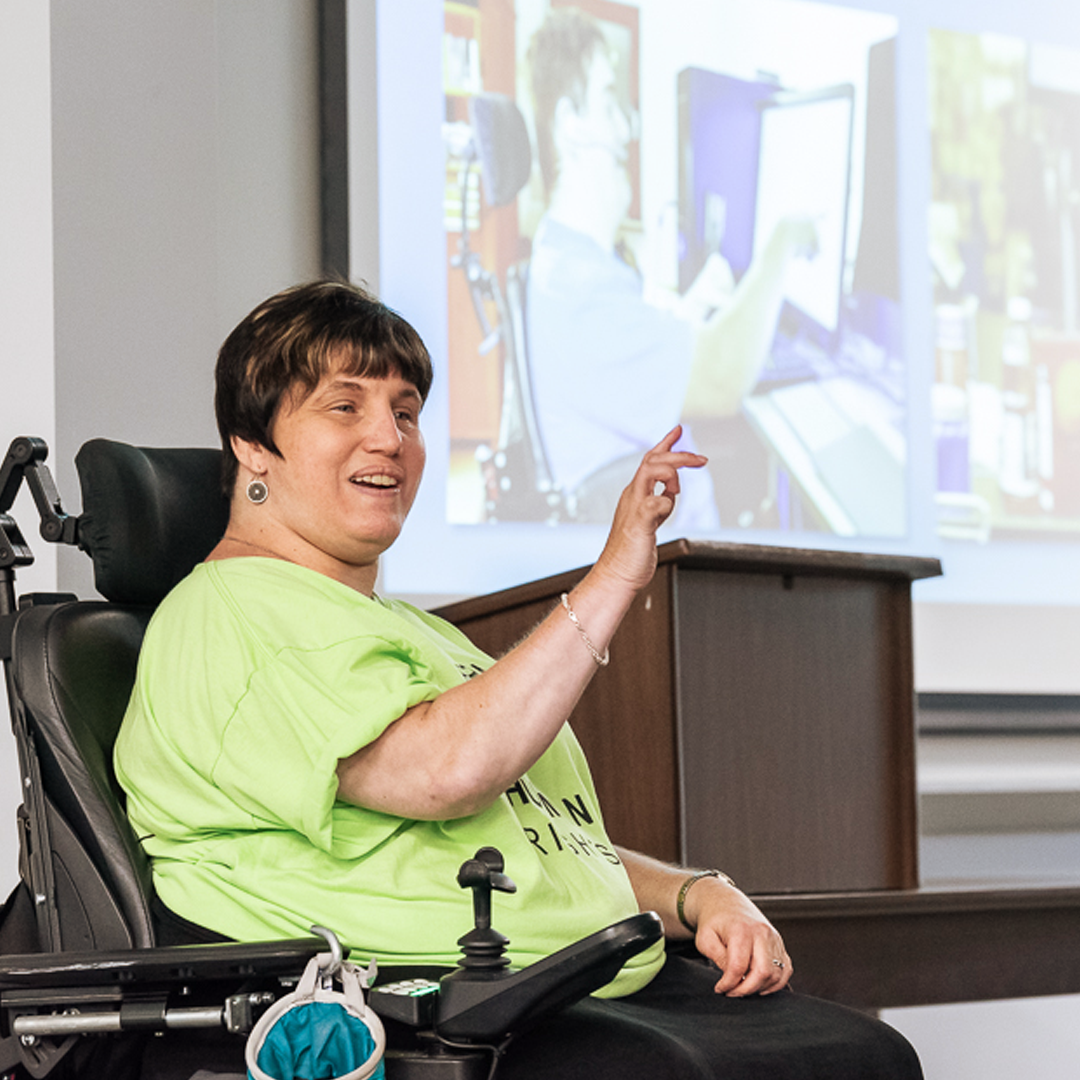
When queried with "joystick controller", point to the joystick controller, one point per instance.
{"points": [[483, 947], [484, 998]]}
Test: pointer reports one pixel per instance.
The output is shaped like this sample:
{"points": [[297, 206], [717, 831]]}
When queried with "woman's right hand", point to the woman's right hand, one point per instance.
{"points": [[629, 556]]}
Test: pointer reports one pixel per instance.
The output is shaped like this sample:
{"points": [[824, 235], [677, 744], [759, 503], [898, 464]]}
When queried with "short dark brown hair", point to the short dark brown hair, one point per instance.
{"points": [[559, 56], [289, 342]]}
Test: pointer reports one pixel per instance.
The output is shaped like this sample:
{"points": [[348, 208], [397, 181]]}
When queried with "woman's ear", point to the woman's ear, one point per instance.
{"points": [[251, 455]]}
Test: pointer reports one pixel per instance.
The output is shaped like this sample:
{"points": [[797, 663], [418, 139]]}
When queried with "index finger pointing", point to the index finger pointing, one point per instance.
{"points": [[670, 439]]}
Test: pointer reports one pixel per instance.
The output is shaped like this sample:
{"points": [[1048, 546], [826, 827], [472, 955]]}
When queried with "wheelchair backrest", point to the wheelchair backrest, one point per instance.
{"points": [[74, 666], [149, 515]]}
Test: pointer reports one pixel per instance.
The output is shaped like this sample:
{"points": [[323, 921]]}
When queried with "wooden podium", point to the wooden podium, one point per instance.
{"points": [[757, 714]]}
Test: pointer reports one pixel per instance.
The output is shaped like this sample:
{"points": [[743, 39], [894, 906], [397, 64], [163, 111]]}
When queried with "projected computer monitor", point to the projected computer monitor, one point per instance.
{"points": [[803, 171]]}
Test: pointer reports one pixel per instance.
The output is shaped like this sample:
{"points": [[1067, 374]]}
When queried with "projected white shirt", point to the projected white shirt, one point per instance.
{"points": [[609, 370]]}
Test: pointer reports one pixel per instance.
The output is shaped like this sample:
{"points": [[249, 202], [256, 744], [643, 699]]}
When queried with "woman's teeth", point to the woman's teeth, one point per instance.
{"points": [[378, 480]]}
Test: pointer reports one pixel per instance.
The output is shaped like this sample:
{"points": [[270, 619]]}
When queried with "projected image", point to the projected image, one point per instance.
{"points": [[661, 213], [1005, 131]]}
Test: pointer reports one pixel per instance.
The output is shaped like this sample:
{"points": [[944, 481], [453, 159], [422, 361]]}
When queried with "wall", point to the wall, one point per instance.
{"points": [[185, 149], [26, 269], [26, 301], [183, 172]]}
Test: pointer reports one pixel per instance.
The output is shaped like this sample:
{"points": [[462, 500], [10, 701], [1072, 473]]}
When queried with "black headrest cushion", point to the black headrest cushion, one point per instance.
{"points": [[502, 145], [149, 515]]}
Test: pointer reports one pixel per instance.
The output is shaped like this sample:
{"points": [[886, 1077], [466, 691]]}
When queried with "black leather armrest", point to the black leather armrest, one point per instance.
{"points": [[176, 964]]}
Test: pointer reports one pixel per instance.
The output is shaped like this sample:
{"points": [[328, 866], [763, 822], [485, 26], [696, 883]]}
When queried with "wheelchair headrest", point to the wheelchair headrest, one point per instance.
{"points": [[502, 145], [149, 515]]}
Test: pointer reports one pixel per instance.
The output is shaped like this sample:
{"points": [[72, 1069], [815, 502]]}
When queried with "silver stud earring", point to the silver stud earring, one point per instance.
{"points": [[257, 491]]}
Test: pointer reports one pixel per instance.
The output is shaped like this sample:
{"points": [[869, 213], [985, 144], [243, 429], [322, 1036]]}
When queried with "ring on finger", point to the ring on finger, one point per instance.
{"points": [[779, 964]]}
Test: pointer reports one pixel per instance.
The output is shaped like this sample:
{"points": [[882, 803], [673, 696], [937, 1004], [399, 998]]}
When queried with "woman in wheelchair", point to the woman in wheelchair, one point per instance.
{"points": [[300, 749]]}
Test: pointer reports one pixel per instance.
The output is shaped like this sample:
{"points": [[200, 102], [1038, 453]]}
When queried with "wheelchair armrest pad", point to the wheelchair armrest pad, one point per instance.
{"points": [[174, 964]]}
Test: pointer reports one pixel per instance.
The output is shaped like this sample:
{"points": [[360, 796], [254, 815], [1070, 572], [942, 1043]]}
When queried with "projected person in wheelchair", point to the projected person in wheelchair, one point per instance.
{"points": [[300, 749], [610, 370]]}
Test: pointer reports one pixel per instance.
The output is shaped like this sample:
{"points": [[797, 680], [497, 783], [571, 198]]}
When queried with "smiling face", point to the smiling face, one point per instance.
{"points": [[351, 459]]}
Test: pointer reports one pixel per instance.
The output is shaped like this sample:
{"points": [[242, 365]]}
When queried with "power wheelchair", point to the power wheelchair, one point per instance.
{"points": [[86, 984]]}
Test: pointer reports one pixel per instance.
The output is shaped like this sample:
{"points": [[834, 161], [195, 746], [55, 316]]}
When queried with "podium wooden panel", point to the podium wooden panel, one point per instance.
{"points": [[757, 714]]}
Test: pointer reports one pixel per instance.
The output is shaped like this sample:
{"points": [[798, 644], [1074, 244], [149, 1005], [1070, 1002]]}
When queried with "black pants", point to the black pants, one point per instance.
{"points": [[678, 1028]]}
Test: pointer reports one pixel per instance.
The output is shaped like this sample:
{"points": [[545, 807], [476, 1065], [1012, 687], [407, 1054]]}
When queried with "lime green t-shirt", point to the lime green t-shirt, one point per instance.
{"points": [[256, 676]]}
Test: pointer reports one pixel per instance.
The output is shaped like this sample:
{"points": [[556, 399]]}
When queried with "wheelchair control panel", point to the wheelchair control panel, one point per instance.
{"points": [[484, 999]]}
